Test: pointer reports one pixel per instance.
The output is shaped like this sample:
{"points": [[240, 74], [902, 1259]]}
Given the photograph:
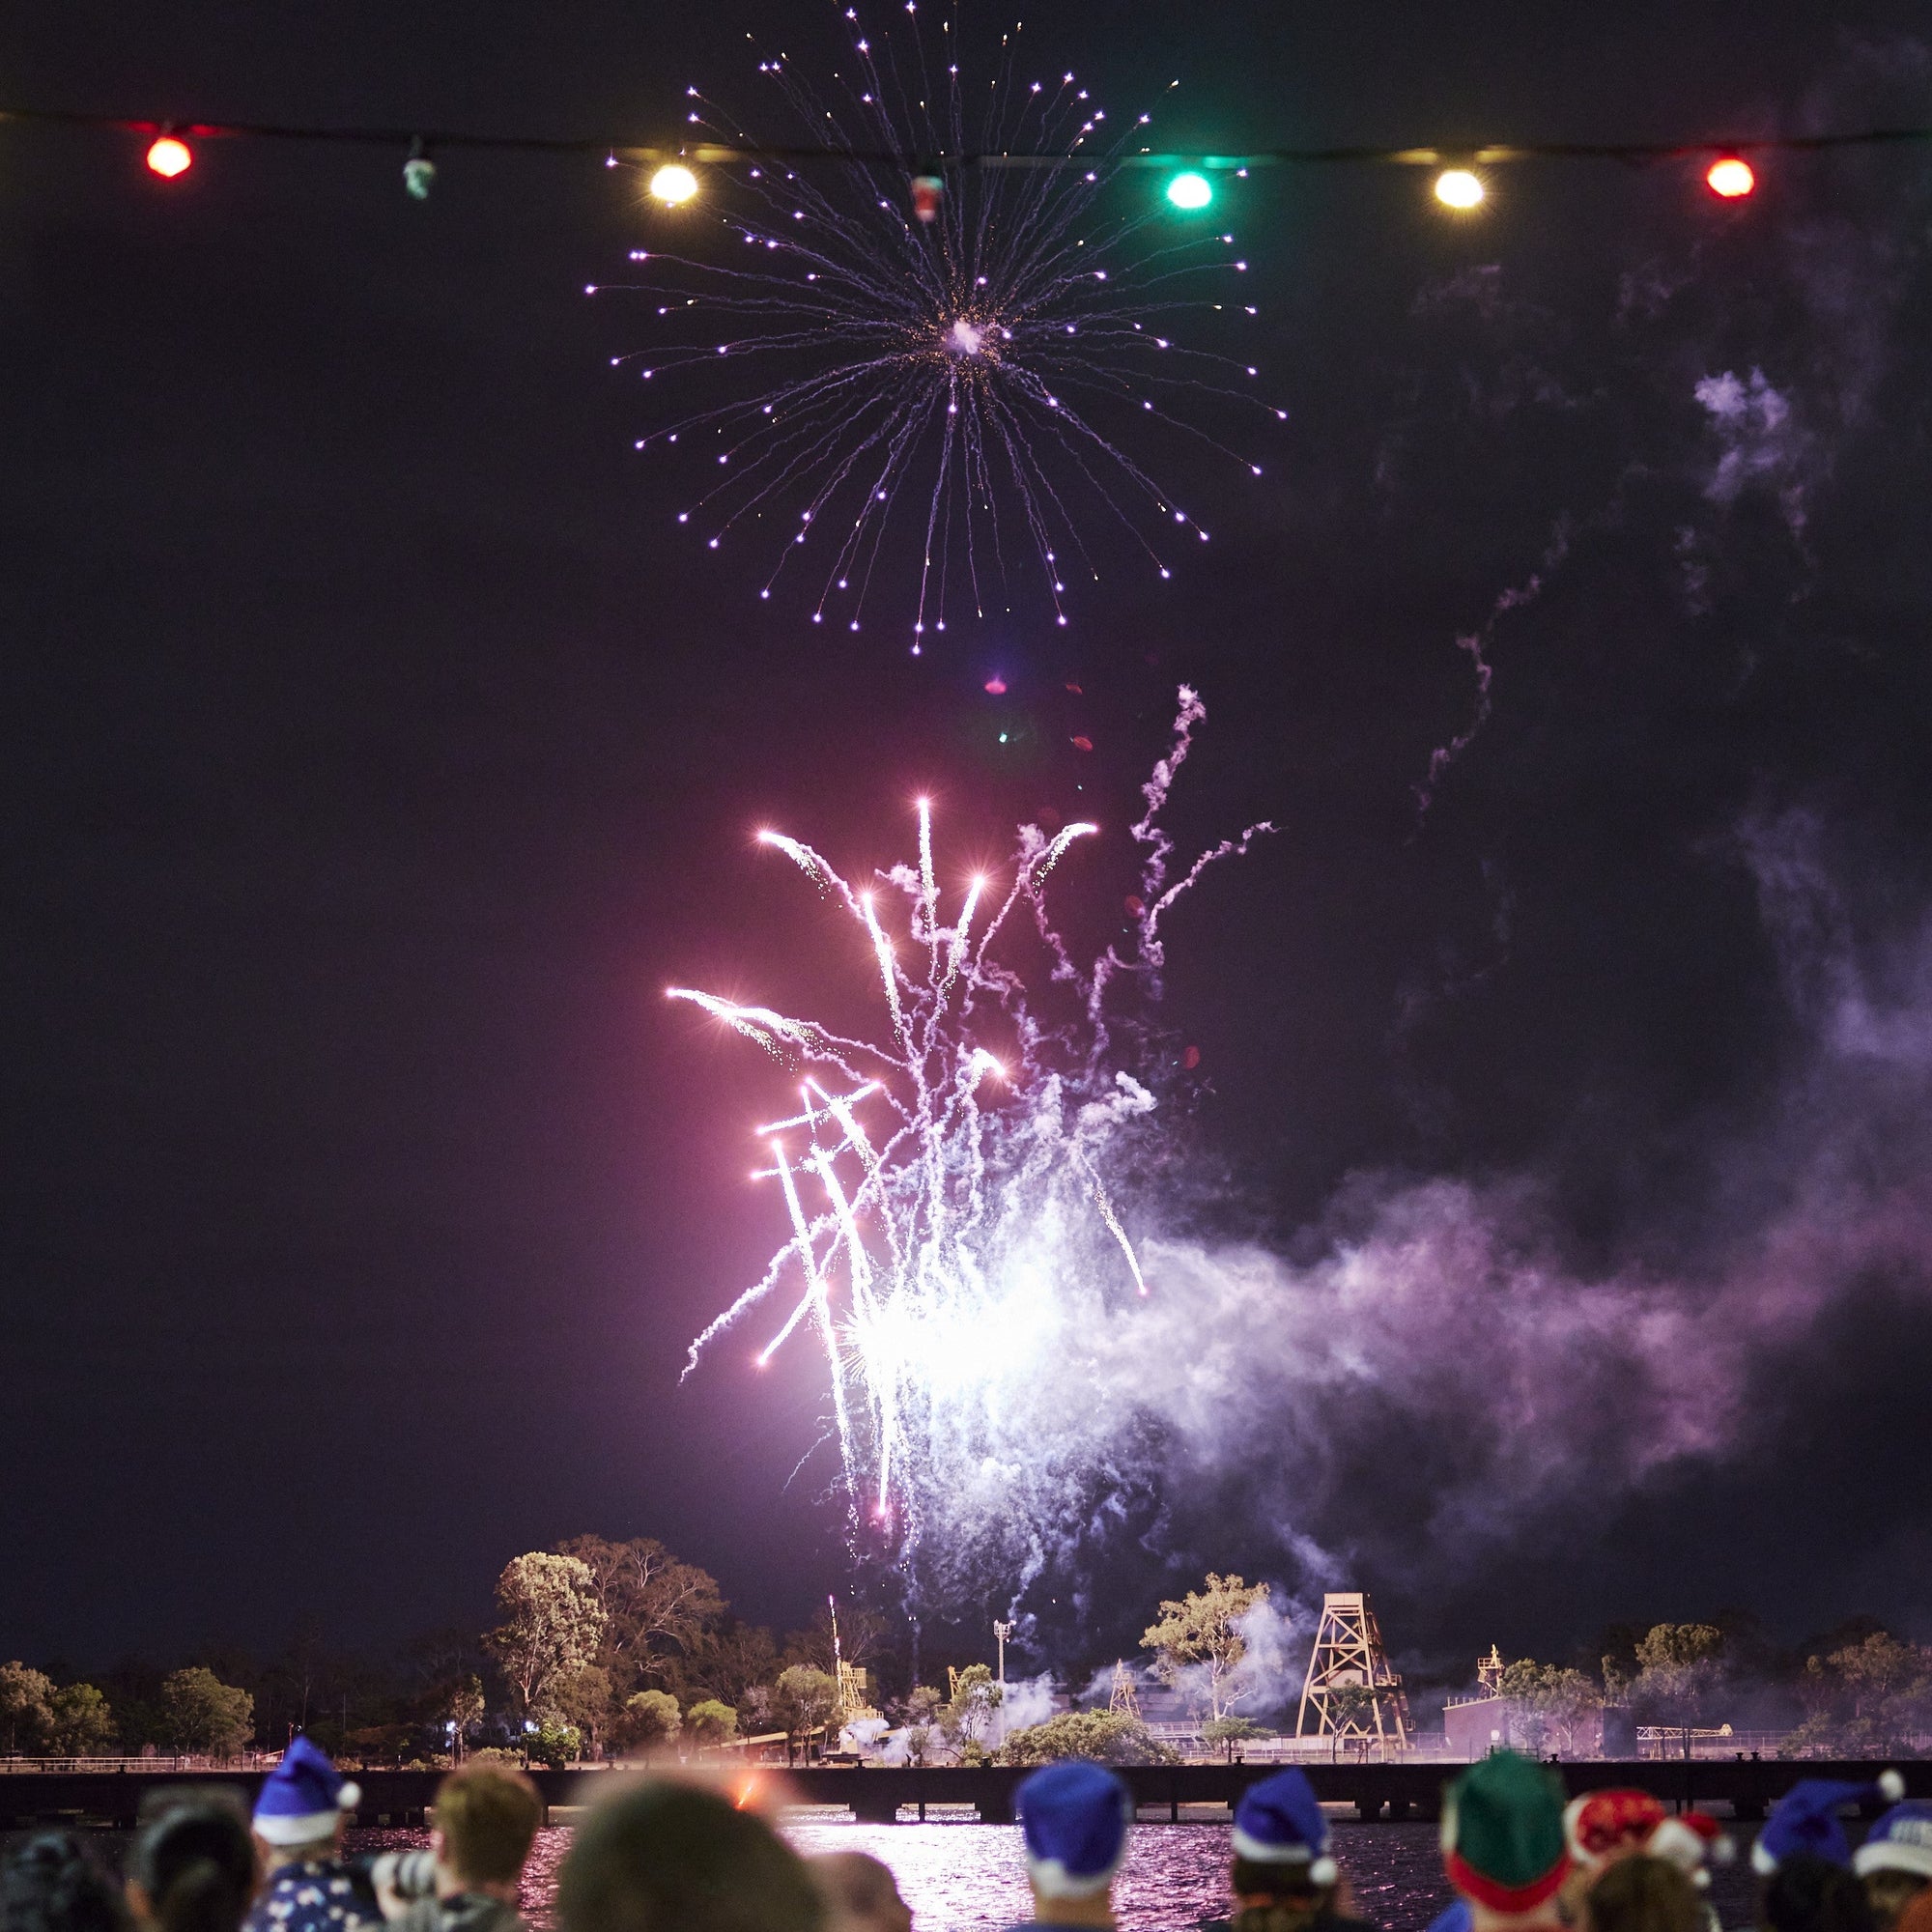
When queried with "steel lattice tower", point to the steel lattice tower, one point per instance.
{"points": [[1351, 1692]]}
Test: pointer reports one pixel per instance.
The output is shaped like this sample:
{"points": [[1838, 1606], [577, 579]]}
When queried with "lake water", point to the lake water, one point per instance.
{"points": [[970, 1877]]}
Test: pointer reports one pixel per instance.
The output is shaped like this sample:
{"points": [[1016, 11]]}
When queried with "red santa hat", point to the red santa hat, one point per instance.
{"points": [[1603, 1824], [1606, 1825]]}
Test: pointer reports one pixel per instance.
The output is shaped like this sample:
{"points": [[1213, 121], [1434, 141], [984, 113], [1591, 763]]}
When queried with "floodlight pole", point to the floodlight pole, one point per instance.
{"points": [[1000, 1633]]}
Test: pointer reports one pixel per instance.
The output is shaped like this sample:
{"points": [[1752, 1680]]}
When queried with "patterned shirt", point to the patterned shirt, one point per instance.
{"points": [[315, 1897]]}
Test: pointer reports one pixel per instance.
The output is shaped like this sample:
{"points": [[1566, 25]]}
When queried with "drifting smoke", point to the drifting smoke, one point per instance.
{"points": [[1760, 445], [1429, 1342], [1442, 1387]]}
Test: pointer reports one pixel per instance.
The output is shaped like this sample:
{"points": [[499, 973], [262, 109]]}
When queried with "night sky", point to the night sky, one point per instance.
{"points": [[376, 751]]}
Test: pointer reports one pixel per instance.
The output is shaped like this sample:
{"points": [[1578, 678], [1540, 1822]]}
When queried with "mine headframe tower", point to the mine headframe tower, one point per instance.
{"points": [[1351, 1693]]}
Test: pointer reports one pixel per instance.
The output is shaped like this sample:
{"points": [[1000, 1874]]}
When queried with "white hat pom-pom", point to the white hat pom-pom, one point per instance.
{"points": [[350, 1796], [1323, 1872], [1890, 1786]]}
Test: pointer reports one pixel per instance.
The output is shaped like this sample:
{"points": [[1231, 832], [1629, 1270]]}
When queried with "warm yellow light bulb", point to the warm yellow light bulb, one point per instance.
{"points": [[673, 185], [1459, 188]]}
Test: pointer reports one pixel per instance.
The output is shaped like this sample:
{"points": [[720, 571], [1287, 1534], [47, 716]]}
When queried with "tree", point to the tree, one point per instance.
{"points": [[1548, 1704], [648, 1722], [463, 1704], [199, 1713], [863, 1634], [728, 1659], [551, 1625], [555, 1744], [1679, 1668], [968, 1717], [710, 1723], [1877, 1670], [805, 1702], [1867, 1699], [1204, 1630], [758, 1707], [444, 1661], [79, 1723], [26, 1705], [655, 1607], [583, 1697], [1229, 1732], [1108, 1737], [921, 1714], [1351, 1711]]}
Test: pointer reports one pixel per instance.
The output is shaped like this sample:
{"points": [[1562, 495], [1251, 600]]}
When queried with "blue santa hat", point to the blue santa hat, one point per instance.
{"points": [[1900, 1841], [302, 1796], [1074, 1817], [1280, 1822], [1806, 1819]]}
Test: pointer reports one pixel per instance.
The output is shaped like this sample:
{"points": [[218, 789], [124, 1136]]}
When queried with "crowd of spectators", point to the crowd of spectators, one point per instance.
{"points": [[666, 1855]]}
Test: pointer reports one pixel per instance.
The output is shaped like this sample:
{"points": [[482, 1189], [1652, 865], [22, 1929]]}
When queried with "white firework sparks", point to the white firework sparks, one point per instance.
{"points": [[936, 1189], [971, 374]]}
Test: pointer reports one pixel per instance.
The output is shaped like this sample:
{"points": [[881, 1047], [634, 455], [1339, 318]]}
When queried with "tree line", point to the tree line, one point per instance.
{"points": [[1855, 1691], [603, 1648]]}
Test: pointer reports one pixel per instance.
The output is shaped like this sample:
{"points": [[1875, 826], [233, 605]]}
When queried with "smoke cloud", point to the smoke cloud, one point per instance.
{"points": [[1429, 1384]]}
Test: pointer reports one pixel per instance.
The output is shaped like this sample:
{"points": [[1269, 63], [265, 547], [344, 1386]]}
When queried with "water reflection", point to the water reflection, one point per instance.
{"points": [[970, 1878]]}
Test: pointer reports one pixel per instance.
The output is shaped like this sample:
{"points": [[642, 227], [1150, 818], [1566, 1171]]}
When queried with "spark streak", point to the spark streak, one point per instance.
{"points": [[972, 1175], [941, 392]]}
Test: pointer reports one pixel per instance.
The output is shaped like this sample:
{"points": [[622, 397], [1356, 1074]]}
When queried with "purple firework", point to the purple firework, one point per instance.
{"points": [[922, 339]]}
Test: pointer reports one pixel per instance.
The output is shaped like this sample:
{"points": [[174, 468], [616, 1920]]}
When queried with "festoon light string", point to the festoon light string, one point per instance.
{"points": [[1459, 183]]}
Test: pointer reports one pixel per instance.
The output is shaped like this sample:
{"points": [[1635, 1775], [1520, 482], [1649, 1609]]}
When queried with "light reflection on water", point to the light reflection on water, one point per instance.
{"points": [[970, 1877]]}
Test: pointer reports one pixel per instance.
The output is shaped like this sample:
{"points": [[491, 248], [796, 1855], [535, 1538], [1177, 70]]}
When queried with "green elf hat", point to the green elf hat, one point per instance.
{"points": [[1502, 1833]]}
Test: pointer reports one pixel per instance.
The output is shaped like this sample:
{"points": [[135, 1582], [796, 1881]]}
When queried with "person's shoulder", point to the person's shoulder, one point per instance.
{"points": [[1334, 1922], [475, 1912], [419, 1914], [348, 1898]]}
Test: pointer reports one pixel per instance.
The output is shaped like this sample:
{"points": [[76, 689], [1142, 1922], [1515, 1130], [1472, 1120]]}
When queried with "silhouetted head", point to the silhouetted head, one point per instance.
{"points": [[1639, 1893], [1813, 1894], [191, 1869], [665, 1856], [49, 1883]]}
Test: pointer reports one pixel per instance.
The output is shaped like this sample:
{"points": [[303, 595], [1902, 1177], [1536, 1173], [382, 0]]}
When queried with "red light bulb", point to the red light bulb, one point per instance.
{"points": [[1730, 176], [169, 157]]}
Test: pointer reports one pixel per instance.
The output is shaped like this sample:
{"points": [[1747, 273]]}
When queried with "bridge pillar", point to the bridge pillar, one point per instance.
{"points": [[876, 1807], [1368, 1808]]}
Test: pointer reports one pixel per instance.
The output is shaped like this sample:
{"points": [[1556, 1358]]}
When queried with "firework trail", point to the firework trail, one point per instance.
{"points": [[941, 1193], [974, 380]]}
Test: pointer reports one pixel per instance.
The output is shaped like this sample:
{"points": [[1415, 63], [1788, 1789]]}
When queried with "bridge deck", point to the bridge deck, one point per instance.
{"points": [[1744, 1786]]}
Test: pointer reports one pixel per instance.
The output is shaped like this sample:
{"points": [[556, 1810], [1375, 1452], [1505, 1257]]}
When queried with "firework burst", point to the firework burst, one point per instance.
{"points": [[946, 358], [941, 1191]]}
